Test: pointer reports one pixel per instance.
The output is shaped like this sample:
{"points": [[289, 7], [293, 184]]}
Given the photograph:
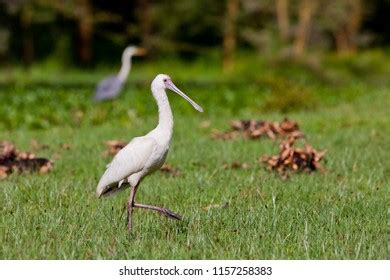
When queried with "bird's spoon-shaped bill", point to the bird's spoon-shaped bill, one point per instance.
{"points": [[140, 51], [169, 84]]}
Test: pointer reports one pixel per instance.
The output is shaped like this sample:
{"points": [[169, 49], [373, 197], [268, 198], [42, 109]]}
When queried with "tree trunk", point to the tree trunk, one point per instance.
{"points": [[346, 35], [28, 39], [355, 22], [283, 19], [145, 21], [306, 11], [230, 36], [341, 38], [85, 28]]}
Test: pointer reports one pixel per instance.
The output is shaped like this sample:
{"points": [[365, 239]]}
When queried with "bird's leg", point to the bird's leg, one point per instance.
{"points": [[165, 211], [130, 204]]}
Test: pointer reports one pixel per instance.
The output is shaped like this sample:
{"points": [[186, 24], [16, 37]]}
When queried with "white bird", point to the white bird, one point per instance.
{"points": [[144, 155], [110, 87]]}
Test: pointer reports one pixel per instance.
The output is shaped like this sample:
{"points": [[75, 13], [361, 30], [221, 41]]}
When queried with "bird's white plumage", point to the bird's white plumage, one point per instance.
{"points": [[146, 154], [128, 161]]}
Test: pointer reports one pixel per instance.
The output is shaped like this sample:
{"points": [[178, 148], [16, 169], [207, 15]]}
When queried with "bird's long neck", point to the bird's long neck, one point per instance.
{"points": [[125, 69], [165, 117]]}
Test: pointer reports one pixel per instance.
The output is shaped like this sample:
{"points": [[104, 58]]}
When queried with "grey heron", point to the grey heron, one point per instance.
{"points": [[110, 87]]}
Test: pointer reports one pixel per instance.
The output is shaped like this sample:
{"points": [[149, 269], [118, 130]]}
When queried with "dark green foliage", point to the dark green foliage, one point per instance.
{"points": [[44, 29], [286, 96]]}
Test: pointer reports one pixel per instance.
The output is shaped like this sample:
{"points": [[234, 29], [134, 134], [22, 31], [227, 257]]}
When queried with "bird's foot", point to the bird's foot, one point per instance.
{"points": [[169, 214], [164, 211]]}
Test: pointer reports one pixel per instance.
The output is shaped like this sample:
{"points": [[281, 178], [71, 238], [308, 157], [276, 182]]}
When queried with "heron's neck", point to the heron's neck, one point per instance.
{"points": [[165, 117], [125, 69]]}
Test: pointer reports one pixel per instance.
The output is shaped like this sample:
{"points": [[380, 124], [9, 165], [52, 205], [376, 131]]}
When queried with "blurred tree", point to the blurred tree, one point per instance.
{"points": [[85, 17], [347, 33], [343, 20], [29, 13], [81, 29], [26, 18], [4, 41], [187, 28], [145, 19], [283, 19], [258, 25], [83, 14], [305, 15], [230, 36]]}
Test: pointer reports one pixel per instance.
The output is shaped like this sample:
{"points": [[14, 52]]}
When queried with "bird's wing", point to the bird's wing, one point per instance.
{"points": [[108, 88], [129, 160]]}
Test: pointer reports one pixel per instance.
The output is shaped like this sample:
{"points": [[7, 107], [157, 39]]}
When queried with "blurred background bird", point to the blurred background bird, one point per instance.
{"points": [[110, 87]]}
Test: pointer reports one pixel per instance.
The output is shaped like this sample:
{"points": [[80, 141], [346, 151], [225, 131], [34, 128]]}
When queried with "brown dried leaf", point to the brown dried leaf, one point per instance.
{"points": [[7, 151], [25, 155], [169, 169], [236, 125], [4, 171], [46, 167], [114, 146], [255, 129], [295, 159], [32, 165], [286, 153]]}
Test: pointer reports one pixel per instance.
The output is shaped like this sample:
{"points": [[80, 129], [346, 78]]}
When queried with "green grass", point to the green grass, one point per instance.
{"points": [[340, 214]]}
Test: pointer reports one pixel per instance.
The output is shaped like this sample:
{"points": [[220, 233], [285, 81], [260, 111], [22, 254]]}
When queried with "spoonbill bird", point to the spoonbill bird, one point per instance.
{"points": [[110, 87], [144, 155]]}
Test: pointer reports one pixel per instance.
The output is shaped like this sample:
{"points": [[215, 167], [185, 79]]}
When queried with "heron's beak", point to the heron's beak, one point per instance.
{"points": [[140, 51], [169, 84]]}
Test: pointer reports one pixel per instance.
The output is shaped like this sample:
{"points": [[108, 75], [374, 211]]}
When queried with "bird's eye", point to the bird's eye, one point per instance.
{"points": [[165, 80]]}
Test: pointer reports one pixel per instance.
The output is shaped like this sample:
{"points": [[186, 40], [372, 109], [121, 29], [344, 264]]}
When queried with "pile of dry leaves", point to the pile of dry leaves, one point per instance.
{"points": [[114, 146], [294, 158], [12, 160], [254, 129]]}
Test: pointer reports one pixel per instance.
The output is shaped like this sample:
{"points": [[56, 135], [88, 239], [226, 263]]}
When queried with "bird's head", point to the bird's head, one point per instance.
{"points": [[133, 51], [162, 82]]}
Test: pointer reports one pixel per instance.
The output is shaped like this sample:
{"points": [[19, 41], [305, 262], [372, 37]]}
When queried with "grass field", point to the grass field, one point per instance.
{"points": [[340, 214]]}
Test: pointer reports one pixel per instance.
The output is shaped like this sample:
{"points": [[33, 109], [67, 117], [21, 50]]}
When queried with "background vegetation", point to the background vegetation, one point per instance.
{"points": [[323, 63], [92, 33]]}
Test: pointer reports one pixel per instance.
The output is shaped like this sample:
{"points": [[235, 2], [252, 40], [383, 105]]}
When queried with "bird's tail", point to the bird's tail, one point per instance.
{"points": [[112, 189]]}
